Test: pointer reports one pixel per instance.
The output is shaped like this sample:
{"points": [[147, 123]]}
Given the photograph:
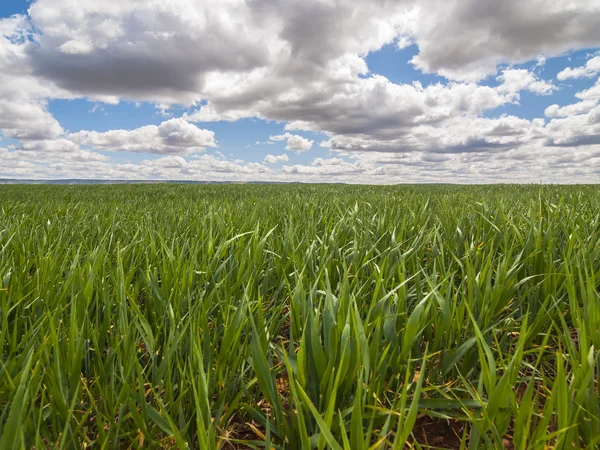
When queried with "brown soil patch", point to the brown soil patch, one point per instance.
{"points": [[438, 433]]}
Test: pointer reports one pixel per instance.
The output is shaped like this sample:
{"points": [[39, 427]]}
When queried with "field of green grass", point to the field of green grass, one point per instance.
{"points": [[299, 317]]}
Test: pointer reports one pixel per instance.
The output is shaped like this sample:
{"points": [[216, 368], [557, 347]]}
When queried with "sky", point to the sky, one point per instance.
{"points": [[352, 91]]}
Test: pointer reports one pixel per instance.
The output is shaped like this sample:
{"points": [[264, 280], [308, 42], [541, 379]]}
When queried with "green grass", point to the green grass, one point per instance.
{"points": [[343, 317]]}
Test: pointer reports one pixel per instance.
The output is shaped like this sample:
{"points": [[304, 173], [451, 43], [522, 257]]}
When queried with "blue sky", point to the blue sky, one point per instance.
{"points": [[391, 94], [10, 7]]}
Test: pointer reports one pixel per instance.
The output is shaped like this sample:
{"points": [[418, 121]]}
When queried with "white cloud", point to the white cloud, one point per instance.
{"points": [[38, 160], [280, 137], [174, 136], [518, 165], [208, 113], [582, 130], [564, 164], [591, 68], [541, 61], [283, 61], [57, 146], [515, 80], [333, 167], [404, 42], [206, 165], [295, 143], [151, 50], [74, 47], [380, 109], [570, 110], [467, 40], [188, 50], [86, 166], [459, 135], [592, 93], [27, 120], [273, 159], [298, 144], [23, 95]]}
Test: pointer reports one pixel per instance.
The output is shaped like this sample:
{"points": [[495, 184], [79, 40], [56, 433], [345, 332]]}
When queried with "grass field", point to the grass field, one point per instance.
{"points": [[297, 317]]}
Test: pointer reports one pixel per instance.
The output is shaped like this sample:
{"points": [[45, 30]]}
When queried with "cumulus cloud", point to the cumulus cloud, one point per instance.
{"points": [[174, 136], [23, 96], [208, 113], [576, 130], [467, 40], [184, 51], [333, 167], [517, 165], [591, 68], [127, 47], [298, 144], [570, 110], [564, 164], [380, 109], [515, 80], [147, 50], [295, 143], [27, 120], [592, 93], [85, 165], [40, 159], [459, 135], [205, 165], [59, 146], [273, 159], [284, 61]]}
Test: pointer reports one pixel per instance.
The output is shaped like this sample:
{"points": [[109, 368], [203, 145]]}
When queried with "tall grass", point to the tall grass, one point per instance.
{"points": [[174, 316]]}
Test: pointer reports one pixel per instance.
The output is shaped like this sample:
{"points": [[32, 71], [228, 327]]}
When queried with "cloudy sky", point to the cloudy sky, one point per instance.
{"points": [[367, 91]]}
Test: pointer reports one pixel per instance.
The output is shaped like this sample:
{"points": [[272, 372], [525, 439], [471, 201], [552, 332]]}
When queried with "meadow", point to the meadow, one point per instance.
{"points": [[299, 317]]}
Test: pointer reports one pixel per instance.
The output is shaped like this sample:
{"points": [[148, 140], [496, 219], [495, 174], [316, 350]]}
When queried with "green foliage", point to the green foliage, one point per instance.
{"points": [[318, 316]]}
